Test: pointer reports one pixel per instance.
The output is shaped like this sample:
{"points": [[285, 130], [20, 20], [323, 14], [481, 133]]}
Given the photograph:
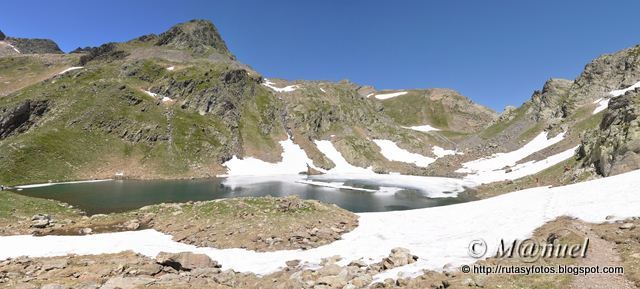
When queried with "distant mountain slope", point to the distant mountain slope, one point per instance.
{"points": [[179, 104], [444, 109], [14, 45]]}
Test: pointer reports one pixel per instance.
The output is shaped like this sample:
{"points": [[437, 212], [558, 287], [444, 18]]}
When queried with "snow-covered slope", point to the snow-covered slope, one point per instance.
{"points": [[383, 96], [502, 166], [422, 128], [436, 243], [341, 164], [271, 85], [393, 152], [294, 160]]}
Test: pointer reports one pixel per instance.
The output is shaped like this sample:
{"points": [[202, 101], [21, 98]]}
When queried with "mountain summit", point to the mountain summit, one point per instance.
{"points": [[198, 35]]}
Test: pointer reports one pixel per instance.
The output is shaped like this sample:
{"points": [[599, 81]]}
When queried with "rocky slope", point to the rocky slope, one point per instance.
{"points": [[444, 109], [614, 147], [180, 104], [14, 45]]}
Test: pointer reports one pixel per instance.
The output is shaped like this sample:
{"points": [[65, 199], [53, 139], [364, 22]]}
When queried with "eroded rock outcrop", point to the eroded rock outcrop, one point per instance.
{"points": [[549, 103], [34, 45], [21, 117], [614, 147], [198, 35]]}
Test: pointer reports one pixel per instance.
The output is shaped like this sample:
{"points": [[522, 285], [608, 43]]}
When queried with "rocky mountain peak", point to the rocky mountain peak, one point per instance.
{"points": [[548, 103], [198, 35]]}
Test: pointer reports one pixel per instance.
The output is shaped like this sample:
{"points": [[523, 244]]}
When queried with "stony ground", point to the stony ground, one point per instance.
{"points": [[185, 270]]}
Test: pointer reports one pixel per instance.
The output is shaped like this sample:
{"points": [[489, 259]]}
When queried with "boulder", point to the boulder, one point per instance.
{"points": [[186, 261], [40, 221], [52, 264], [627, 226], [132, 225], [85, 231], [398, 257]]}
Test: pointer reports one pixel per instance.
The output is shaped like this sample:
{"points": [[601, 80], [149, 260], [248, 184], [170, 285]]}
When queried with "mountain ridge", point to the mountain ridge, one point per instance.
{"points": [[179, 104]]}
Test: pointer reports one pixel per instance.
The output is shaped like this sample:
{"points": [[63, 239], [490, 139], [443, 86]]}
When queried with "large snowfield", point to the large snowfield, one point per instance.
{"points": [[438, 235]]}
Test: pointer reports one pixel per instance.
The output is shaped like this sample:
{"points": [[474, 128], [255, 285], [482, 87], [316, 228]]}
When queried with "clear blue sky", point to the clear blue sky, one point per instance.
{"points": [[495, 52]]}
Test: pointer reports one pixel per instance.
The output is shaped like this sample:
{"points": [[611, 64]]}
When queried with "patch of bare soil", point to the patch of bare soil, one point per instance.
{"points": [[624, 238], [602, 253]]}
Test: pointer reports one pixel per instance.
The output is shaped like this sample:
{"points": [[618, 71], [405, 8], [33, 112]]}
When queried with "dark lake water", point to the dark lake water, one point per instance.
{"points": [[124, 195]]}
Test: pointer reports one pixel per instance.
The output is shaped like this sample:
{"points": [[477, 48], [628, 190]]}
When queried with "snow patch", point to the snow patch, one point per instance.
{"points": [[10, 46], [149, 93], [70, 69], [450, 229], [393, 152], [603, 102], [521, 170], [440, 152], [619, 92], [294, 160], [289, 88], [341, 164], [422, 128], [335, 185], [384, 96], [171, 68], [500, 160], [166, 99], [60, 183]]}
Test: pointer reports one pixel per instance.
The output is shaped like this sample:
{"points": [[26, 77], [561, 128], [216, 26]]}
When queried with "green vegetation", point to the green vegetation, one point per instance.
{"points": [[416, 108], [500, 126], [15, 207]]}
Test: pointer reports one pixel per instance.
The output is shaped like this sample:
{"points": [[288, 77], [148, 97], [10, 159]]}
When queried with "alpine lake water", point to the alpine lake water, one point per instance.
{"points": [[123, 195]]}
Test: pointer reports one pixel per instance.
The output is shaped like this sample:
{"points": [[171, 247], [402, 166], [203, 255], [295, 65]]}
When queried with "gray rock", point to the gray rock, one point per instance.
{"points": [[34, 45], [132, 225], [614, 147], [186, 261], [86, 231], [398, 257], [51, 264], [627, 226], [21, 117], [127, 282], [198, 35]]}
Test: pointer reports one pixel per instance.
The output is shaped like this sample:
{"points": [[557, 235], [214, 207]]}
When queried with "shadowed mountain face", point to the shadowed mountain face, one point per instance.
{"points": [[179, 104], [35, 46], [14, 45]]}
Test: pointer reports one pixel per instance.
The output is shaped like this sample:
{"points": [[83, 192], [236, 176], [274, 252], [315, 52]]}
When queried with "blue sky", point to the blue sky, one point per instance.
{"points": [[495, 52]]}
